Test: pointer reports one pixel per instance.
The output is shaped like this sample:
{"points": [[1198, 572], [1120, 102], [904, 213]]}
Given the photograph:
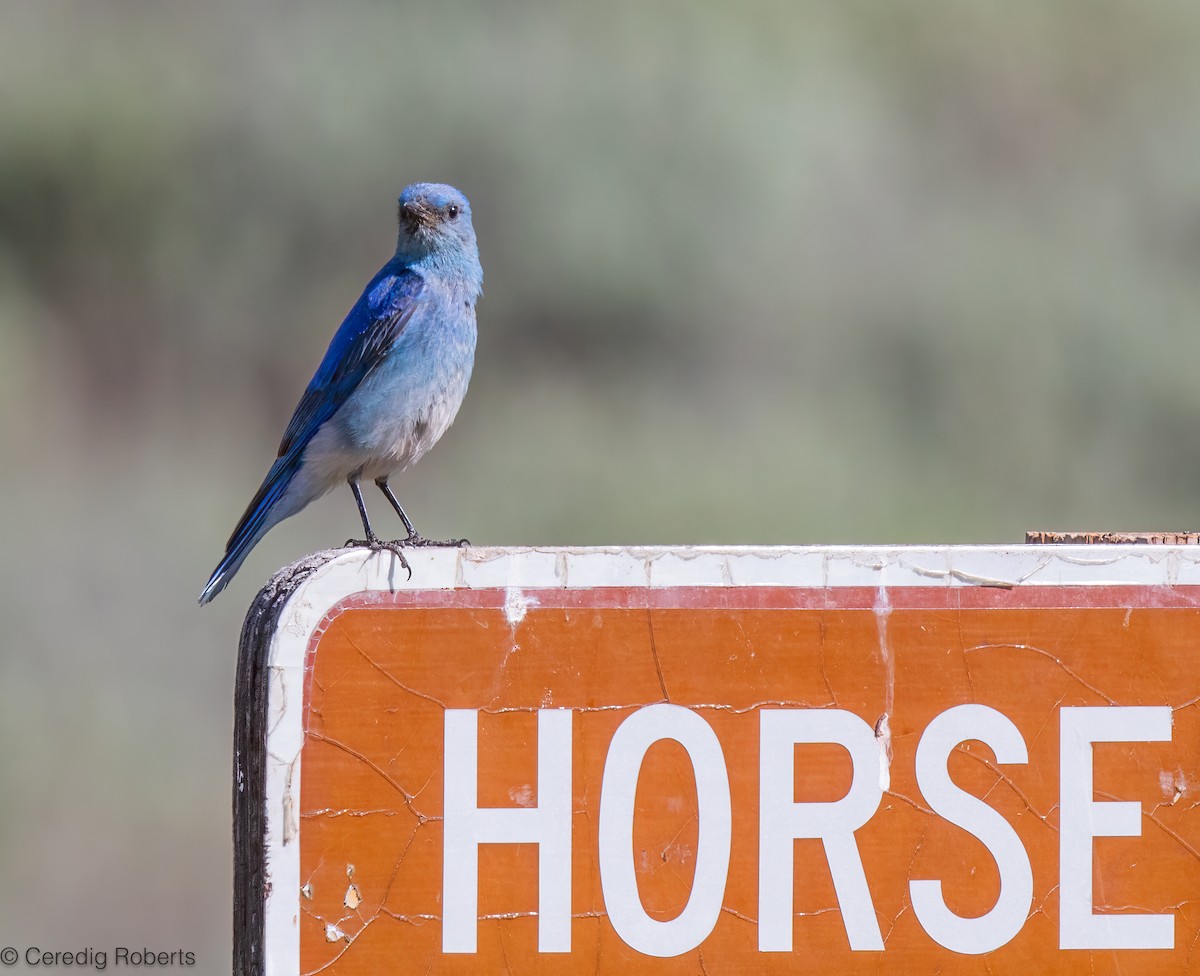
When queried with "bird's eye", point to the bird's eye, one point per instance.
{"points": [[452, 211]]}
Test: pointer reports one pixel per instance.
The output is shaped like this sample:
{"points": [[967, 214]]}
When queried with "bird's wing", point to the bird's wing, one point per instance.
{"points": [[364, 338]]}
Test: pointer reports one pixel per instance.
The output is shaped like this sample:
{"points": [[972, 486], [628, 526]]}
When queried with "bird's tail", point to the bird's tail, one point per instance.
{"points": [[264, 511]]}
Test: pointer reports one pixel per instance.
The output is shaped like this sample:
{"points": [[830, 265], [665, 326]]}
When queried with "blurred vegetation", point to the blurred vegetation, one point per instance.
{"points": [[756, 272]]}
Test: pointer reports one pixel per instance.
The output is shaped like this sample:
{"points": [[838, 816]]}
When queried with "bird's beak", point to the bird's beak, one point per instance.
{"points": [[414, 214]]}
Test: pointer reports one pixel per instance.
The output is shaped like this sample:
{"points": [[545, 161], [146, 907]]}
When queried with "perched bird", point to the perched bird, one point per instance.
{"points": [[391, 381]]}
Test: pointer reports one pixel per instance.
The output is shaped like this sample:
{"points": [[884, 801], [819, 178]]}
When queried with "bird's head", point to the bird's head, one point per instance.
{"points": [[435, 222]]}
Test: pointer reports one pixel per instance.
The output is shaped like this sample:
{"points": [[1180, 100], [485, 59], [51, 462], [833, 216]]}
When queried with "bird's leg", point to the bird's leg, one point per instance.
{"points": [[414, 538], [372, 541]]}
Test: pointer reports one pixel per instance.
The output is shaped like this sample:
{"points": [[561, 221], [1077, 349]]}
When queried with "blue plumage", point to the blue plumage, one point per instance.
{"points": [[391, 381], [368, 333]]}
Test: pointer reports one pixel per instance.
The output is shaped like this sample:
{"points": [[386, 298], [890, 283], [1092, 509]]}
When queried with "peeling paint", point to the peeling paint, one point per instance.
{"points": [[1172, 785], [883, 610], [883, 736], [516, 605], [289, 819]]}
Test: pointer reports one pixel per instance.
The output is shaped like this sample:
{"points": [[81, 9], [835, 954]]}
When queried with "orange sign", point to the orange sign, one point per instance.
{"points": [[872, 770]]}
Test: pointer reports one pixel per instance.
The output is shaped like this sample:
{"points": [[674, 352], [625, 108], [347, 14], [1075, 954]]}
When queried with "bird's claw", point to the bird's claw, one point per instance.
{"points": [[375, 544], [396, 546]]}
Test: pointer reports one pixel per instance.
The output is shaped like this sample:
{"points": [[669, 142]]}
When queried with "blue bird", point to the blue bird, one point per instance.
{"points": [[391, 381]]}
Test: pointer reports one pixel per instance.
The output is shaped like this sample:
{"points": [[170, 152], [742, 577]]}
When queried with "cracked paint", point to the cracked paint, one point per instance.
{"points": [[379, 682]]}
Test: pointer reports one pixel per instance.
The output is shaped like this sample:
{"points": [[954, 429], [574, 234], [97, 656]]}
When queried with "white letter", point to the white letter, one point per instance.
{"points": [[782, 820], [618, 878], [997, 927], [466, 826], [1083, 819]]}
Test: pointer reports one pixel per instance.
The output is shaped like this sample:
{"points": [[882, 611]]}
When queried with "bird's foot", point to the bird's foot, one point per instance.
{"points": [[376, 544]]}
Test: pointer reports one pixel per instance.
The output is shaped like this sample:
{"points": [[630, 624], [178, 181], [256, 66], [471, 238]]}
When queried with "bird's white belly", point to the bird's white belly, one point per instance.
{"points": [[382, 430], [404, 439]]}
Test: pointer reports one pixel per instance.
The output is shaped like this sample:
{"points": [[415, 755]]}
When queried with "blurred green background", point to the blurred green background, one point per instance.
{"points": [[758, 272]]}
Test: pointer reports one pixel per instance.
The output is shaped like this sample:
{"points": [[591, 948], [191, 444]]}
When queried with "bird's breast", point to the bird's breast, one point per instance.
{"points": [[404, 406]]}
